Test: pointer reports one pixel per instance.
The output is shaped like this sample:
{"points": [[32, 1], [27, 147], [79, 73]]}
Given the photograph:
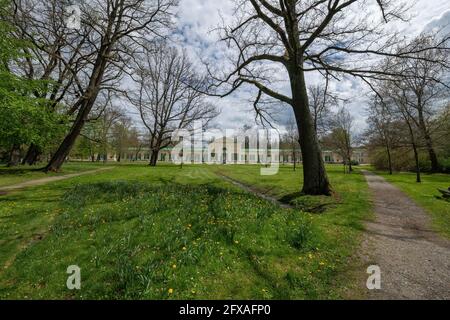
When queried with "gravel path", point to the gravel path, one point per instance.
{"points": [[414, 261], [38, 182]]}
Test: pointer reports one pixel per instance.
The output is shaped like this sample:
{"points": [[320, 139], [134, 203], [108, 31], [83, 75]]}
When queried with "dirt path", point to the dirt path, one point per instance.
{"points": [[414, 261], [38, 182]]}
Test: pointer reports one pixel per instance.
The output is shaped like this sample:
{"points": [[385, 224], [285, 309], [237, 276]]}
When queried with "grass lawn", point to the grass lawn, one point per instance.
{"points": [[425, 195], [169, 233], [10, 176]]}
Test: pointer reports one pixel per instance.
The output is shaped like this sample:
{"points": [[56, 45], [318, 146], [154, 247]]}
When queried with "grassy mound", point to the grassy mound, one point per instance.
{"points": [[145, 241]]}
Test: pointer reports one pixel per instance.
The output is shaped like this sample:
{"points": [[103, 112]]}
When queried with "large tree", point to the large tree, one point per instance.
{"points": [[121, 134], [320, 103], [24, 116], [416, 89], [53, 56], [97, 133], [341, 138], [383, 129], [113, 29], [167, 97], [329, 37], [425, 86], [395, 99]]}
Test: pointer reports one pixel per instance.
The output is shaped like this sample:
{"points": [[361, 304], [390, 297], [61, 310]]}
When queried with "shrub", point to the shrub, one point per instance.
{"points": [[445, 165]]}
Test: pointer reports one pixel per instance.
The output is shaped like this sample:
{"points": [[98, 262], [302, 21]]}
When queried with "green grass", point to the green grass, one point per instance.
{"points": [[137, 232], [14, 175], [425, 194]]}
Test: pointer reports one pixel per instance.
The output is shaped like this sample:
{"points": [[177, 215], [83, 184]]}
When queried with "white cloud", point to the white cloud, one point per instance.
{"points": [[196, 20]]}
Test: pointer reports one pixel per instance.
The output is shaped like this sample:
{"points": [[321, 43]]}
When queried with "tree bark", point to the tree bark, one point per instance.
{"points": [[32, 155], [416, 152], [154, 158], [416, 158], [295, 160], [86, 103], [388, 150], [435, 167], [66, 146], [315, 177], [14, 156]]}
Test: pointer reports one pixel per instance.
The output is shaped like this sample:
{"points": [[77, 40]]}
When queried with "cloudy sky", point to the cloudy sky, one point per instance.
{"points": [[196, 20]]}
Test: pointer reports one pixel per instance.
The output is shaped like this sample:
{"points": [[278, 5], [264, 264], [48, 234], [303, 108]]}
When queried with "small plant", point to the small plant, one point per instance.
{"points": [[301, 235]]}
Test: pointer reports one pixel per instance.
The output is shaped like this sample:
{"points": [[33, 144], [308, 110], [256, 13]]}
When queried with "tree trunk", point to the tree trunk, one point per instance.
{"points": [[435, 167], [295, 160], [416, 158], [294, 157], [314, 173], [32, 155], [154, 158], [416, 153], [66, 146], [14, 156], [85, 103], [388, 150]]}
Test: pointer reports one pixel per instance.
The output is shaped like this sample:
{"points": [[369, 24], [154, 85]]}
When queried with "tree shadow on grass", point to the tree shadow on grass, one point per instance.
{"points": [[279, 287], [23, 195], [310, 204], [18, 171]]}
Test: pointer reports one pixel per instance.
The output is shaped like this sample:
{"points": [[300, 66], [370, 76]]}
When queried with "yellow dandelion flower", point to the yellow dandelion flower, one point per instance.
{"points": [[170, 291], [174, 266]]}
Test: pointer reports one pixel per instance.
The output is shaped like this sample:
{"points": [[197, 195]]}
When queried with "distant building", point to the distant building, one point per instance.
{"points": [[229, 151]]}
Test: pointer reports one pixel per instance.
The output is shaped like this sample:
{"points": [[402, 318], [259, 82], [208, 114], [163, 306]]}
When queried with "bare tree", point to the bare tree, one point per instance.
{"points": [[138, 141], [416, 90], [322, 36], [107, 117], [320, 103], [121, 132], [396, 100], [292, 140], [113, 28], [167, 97], [341, 137], [424, 84], [441, 134], [382, 129]]}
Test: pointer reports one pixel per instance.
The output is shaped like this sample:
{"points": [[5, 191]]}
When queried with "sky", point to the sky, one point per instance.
{"points": [[197, 19]]}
